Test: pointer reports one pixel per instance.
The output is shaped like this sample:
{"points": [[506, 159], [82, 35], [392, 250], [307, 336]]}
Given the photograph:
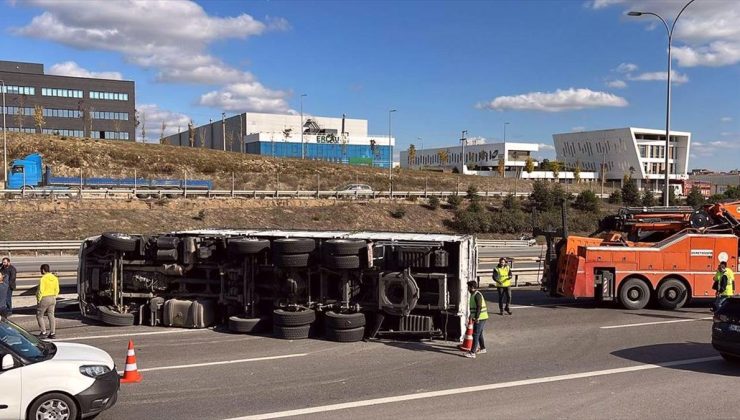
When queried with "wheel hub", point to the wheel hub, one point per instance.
{"points": [[634, 294]]}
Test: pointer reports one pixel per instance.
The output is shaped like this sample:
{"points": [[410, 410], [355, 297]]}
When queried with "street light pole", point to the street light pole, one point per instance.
{"points": [[505, 124], [421, 141], [5, 140], [390, 150], [223, 129], [668, 95], [464, 140], [303, 148]]}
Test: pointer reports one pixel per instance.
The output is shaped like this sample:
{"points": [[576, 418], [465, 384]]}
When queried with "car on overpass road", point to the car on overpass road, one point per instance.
{"points": [[726, 330]]}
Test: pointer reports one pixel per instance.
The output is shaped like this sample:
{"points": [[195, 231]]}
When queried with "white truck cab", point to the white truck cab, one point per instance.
{"points": [[59, 381]]}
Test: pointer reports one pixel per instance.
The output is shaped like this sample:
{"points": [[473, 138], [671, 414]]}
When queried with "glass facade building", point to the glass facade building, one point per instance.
{"points": [[354, 154]]}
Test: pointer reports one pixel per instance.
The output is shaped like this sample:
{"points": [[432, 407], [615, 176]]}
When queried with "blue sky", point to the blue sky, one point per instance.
{"points": [[542, 66]]}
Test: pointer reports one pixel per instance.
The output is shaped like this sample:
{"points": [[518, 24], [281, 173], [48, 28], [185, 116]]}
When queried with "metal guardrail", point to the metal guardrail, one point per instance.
{"points": [[488, 275], [177, 193], [505, 243], [10, 246]]}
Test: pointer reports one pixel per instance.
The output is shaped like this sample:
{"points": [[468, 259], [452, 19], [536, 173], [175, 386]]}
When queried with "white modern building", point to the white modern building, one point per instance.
{"points": [[341, 140], [637, 152], [477, 155]]}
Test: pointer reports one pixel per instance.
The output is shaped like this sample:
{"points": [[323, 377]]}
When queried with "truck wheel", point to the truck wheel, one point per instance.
{"points": [[281, 317], [119, 241], [672, 294], [167, 242], [293, 245], [238, 324], [53, 405], [111, 317], [338, 321], [167, 255], [290, 260], [346, 336], [291, 333], [343, 262], [344, 246], [634, 294], [248, 246]]}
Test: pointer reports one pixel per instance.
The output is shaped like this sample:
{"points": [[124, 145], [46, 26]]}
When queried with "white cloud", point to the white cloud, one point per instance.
{"points": [[171, 37], [713, 148], [617, 84], [725, 119], [152, 117], [560, 100], [676, 78], [600, 4], [247, 95], [626, 68], [715, 54], [70, 68], [578, 128], [544, 147]]}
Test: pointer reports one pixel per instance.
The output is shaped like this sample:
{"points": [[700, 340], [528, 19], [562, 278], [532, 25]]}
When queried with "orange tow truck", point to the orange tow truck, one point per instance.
{"points": [[666, 255]]}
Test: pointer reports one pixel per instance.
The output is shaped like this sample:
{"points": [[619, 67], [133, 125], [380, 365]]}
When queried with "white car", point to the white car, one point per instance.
{"points": [[55, 381], [356, 189]]}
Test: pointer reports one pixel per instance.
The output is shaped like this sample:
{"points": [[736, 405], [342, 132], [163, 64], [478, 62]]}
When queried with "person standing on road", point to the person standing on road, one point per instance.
{"points": [[724, 284], [478, 316], [3, 291], [502, 280], [47, 300], [10, 272]]}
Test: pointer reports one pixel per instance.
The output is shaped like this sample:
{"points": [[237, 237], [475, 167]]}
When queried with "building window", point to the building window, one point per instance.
{"points": [[61, 93], [109, 96], [62, 113], [19, 90], [63, 132], [110, 135], [15, 110], [21, 130], [105, 115]]}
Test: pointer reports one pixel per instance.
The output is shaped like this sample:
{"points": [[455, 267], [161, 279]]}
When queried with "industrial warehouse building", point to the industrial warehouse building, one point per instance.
{"points": [[340, 140], [636, 152], [71, 106]]}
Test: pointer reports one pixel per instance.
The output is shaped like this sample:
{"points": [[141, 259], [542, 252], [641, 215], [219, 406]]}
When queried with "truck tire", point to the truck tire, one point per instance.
{"points": [[167, 255], [291, 333], [281, 317], [346, 336], [167, 242], [344, 246], [338, 321], [293, 245], [290, 260], [244, 246], [672, 294], [111, 317], [343, 262], [119, 241], [238, 324], [634, 294]]}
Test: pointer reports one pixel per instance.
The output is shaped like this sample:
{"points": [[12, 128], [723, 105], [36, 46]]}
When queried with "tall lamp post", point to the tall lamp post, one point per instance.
{"points": [[669, 30], [390, 150], [422, 149], [464, 141], [5, 140], [505, 124], [303, 147]]}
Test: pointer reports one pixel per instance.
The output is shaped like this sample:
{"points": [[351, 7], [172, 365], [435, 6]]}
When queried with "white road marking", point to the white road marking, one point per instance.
{"points": [[470, 389], [224, 362], [609, 327], [131, 334]]}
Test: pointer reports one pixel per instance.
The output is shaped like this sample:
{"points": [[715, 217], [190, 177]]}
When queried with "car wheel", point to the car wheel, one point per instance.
{"points": [[248, 246], [343, 262], [111, 317], [248, 325], [344, 246], [346, 336], [730, 358], [53, 406], [293, 245], [338, 321], [119, 241], [291, 333], [290, 260], [672, 294], [634, 294], [303, 316]]}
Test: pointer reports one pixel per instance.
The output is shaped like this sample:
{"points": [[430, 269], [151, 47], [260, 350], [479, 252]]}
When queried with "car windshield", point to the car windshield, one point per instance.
{"points": [[24, 344]]}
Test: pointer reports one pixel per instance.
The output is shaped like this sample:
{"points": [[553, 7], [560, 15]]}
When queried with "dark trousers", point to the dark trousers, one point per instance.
{"points": [[9, 302], [4, 292], [504, 298], [478, 342]]}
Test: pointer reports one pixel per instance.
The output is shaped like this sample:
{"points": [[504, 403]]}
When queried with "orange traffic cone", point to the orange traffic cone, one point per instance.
{"points": [[131, 372], [467, 344]]}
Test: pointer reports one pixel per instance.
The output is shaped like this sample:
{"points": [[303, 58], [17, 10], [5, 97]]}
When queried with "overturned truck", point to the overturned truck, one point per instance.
{"points": [[344, 286]]}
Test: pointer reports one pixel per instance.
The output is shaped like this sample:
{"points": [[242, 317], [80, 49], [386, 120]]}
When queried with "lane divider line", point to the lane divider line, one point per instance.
{"points": [[131, 334], [224, 362], [641, 324], [470, 389]]}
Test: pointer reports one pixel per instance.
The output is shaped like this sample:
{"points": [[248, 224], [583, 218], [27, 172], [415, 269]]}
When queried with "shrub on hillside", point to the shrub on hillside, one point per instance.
{"points": [[472, 193], [586, 201], [694, 199], [648, 199], [615, 197], [630, 194], [398, 213], [454, 201], [540, 197], [433, 202], [511, 202]]}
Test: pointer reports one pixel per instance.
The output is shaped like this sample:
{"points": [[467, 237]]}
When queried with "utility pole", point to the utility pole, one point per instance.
{"points": [[464, 140], [5, 141], [390, 152], [223, 129], [603, 165], [303, 147]]}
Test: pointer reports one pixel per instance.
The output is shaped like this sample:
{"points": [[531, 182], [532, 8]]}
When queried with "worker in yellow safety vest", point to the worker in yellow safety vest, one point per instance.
{"points": [[724, 284], [502, 281], [478, 316]]}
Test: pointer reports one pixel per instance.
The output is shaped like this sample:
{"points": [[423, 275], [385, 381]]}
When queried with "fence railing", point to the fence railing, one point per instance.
{"points": [[520, 277], [505, 243], [8, 247]]}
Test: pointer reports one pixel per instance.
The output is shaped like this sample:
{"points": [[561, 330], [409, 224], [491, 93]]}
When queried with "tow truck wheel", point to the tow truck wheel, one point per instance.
{"points": [[634, 294], [672, 294]]}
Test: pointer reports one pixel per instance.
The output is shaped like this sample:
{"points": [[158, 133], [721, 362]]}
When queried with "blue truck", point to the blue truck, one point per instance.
{"points": [[29, 173]]}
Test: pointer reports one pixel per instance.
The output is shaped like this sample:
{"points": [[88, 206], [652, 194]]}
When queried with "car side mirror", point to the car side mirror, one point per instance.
{"points": [[8, 362]]}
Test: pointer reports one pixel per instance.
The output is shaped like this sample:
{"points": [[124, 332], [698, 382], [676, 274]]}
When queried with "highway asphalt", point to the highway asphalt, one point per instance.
{"points": [[553, 358]]}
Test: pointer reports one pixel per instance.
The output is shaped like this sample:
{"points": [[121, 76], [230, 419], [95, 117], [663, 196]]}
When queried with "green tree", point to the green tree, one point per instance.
{"points": [[472, 193], [511, 202], [529, 165], [648, 199], [587, 201], [694, 198], [615, 197], [412, 155], [558, 195], [672, 199], [577, 172], [555, 168], [443, 156], [630, 194], [541, 197], [501, 168], [433, 202], [454, 201]]}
